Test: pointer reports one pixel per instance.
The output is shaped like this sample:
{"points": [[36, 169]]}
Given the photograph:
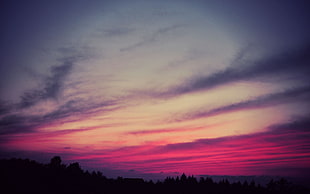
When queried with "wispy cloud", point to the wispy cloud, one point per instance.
{"points": [[52, 85], [13, 120], [12, 115], [186, 59], [16, 123], [21, 123], [282, 146], [82, 107], [5, 107], [152, 38], [116, 32], [292, 95], [271, 136], [298, 125], [288, 65], [165, 130], [252, 153]]}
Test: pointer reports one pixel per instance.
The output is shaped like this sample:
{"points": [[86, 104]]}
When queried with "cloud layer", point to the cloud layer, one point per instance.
{"points": [[293, 64], [282, 146], [51, 88], [289, 96]]}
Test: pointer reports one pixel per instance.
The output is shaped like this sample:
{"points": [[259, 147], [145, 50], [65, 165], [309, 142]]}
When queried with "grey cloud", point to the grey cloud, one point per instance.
{"points": [[55, 82], [300, 124], [293, 64], [138, 44], [167, 29], [5, 107], [272, 135], [80, 107], [14, 121], [152, 38], [52, 86], [17, 123], [291, 95], [186, 59], [241, 55], [76, 53]]}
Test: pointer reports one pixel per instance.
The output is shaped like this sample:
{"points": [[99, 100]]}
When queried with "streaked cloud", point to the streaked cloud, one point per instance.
{"points": [[52, 85], [116, 31], [152, 38], [5, 107], [164, 130], [281, 146], [21, 123], [291, 95], [298, 125], [15, 124], [262, 151], [288, 65], [271, 135]]}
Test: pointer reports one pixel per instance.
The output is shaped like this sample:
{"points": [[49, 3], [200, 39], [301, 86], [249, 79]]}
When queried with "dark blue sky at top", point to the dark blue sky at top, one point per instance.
{"points": [[26, 24]]}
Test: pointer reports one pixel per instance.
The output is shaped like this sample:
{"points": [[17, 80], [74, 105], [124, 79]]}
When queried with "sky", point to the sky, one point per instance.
{"points": [[135, 87]]}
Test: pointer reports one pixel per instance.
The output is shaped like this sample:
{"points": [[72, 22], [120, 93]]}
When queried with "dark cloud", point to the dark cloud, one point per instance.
{"points": [[5, 107], [275, 131], [157, 131], [152, 38], [81, 107], [292, 95], [52, 86], [301, 124], [274, 145], [193, 145], [288, 65], [13, 118], [15, 124], [168, 130], [20, 123], [76, 53]]}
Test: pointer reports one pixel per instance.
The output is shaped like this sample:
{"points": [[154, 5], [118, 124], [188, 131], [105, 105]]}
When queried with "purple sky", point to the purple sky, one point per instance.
{"points": [[158, 87]]}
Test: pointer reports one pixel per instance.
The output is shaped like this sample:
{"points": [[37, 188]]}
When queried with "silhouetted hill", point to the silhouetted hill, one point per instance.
{"points": [[28, 176]]}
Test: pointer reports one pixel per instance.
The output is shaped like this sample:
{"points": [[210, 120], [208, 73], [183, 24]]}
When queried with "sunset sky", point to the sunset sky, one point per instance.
{"points": [[203, 87]]}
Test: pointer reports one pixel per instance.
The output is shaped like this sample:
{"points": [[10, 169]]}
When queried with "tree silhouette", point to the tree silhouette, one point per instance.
{"points": [[55, 162], [27, 176], [75, 168]]}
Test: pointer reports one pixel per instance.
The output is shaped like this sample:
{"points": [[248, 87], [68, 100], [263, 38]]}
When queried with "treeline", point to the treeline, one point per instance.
{"points": [[28, 176]]}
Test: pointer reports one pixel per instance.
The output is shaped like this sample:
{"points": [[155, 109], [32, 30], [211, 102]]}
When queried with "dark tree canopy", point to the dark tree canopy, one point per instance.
{"points": [[55, 162], [27, 176]]}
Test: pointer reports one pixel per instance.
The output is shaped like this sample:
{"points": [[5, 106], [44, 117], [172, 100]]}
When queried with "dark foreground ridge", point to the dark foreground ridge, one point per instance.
{"points": [[28, 176]]}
